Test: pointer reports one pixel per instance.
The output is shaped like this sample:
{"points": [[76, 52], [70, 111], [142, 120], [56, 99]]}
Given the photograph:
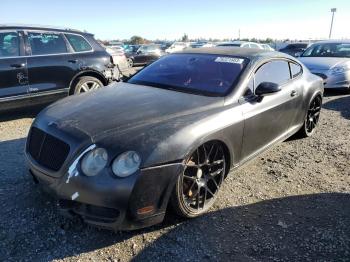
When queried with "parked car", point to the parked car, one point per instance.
{"points": [[267, 47], [171, 134], [201, 44], [131, 48], [39, 64], [176, 46], [241, 44], [331, 61], [118, 56], [145, 54], [295, 49]]}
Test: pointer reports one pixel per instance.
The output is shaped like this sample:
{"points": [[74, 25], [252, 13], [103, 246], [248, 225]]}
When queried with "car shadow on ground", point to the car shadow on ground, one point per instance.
{"points": [[341, 105], [15, 114], [302, 227], [297, 228]]}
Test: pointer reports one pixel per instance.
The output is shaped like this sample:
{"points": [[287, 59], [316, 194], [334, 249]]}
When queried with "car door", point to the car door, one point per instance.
{"points": [[13, 65], [268, 118], [152, 55], [50, 65]]}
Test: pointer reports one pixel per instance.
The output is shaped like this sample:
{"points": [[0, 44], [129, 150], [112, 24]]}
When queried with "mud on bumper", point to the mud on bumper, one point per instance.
{"points": [[113, 203]]}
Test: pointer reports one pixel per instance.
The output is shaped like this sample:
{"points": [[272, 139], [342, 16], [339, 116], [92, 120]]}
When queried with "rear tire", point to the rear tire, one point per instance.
{"points": [[312, 118], [86, 84], [198, 186]]}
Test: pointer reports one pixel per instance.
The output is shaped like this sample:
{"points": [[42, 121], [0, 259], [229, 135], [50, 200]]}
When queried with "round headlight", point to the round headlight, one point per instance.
{"points": [[126, 164], [94, 161]]}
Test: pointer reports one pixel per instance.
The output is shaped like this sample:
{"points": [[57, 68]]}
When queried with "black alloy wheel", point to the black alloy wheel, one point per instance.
{"points": [[312, 118], [313, 115], [199, 184]]}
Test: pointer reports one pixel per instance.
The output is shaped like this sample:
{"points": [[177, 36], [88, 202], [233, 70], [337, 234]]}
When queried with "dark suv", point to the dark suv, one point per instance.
{"points": [[40, 65], [295, 49]]}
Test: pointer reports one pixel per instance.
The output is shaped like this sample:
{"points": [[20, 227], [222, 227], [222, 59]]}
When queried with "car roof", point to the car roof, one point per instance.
{"points": [[333, 42], [235, 51], [233, 42], [41, 27], [298, 43]]}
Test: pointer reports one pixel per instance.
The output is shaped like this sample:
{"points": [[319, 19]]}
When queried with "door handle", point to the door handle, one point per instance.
{"points": [[18, 65], [73, 61], [293, 93]]}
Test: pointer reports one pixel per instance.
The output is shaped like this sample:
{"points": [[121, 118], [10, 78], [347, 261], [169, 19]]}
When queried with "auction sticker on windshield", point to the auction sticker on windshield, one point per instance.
{"points": [[232, 60]]}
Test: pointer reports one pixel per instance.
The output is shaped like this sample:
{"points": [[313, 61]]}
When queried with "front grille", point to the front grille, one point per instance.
{"points": [[47, 150]]}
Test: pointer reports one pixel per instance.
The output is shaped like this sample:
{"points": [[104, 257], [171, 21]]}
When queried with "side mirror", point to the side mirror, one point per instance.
{"points": [[267, 88]]}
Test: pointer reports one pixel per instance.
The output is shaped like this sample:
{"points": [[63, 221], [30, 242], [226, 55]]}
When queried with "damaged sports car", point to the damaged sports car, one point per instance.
{"points": [[169, 136]]}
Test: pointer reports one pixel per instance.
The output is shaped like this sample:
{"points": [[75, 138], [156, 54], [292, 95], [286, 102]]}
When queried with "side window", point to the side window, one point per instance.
{"points": [[295, 69], [78, 43], [254, 46], [46, 43], [9, 44], [274, 71]]}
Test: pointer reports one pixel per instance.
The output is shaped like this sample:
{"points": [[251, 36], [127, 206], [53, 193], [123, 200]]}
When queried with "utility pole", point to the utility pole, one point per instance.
{"points": [[239, 34], [333, 10]]}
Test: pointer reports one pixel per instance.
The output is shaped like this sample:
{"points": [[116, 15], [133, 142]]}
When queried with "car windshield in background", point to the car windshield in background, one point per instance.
{"points": [[238, 45], [328, 50], [205, 74]]}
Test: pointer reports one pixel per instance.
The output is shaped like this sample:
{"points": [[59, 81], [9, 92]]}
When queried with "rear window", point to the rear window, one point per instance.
{"points": [[78, 43], [229, 45], [195, 73], [47, 43]]}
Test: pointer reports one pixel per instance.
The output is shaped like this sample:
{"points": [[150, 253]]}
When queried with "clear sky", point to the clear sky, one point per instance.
{"points": [[170, 19]]}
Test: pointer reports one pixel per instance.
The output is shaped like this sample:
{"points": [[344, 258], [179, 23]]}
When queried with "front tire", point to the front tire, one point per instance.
{"points": [[312, 118], [130, 62], [198, 186], [86, 84]]}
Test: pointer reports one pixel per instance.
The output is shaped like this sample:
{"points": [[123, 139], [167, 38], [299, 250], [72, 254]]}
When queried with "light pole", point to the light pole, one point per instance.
{"points": [[333, 10]]}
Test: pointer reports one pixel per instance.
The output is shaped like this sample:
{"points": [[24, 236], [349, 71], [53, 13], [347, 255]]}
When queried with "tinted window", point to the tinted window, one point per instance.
{"points": [[296, 46], [275, 72], [229, 45], [295, 69], [9, 44], [46, 43], [195, 73], [78, 43]]}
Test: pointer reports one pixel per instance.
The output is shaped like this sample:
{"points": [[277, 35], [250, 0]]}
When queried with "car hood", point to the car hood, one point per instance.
{"points": [[323, 63], [123, 107]]}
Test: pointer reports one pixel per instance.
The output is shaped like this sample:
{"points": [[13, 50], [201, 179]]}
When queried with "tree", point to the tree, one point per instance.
{"points": [[137, 40], [184, 38]]}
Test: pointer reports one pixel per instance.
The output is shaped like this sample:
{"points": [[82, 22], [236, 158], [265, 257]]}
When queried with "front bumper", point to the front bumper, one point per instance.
{"points": [[337, 81], [137, 201]]}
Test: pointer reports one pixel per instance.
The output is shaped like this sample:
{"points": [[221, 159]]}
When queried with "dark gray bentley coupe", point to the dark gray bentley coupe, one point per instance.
{"points": [[119, 156]]}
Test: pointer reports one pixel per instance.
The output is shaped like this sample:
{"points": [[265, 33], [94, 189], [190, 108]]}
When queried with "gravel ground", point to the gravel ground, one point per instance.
{"points": [[291, 203]]}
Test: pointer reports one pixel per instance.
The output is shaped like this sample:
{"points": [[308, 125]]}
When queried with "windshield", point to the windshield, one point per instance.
{"points": [[195, 73], [328, 50]]}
